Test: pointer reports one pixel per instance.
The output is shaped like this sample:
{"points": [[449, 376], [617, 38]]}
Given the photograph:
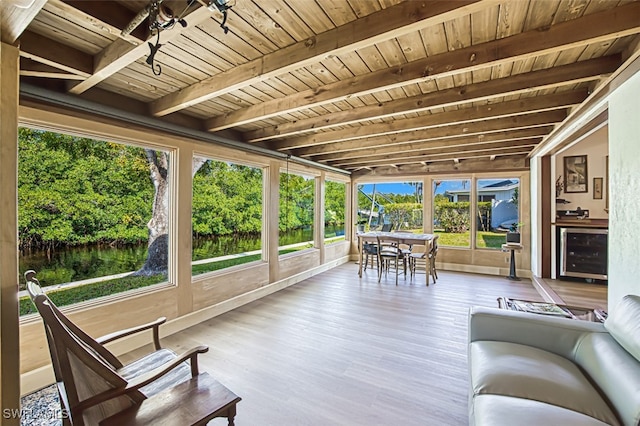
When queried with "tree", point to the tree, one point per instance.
{"points": [[157, 261], [417, 191], [74, 191]]}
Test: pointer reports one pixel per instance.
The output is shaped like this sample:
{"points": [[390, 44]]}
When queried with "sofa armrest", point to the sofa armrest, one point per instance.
{"points": [[557, 335]]}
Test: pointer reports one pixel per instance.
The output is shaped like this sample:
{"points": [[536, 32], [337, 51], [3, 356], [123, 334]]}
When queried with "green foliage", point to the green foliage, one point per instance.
{"points": [[80, 191], [77, 191], [334, 204], [227, 199], [516, 195], [453, 216], [296, 202], [405, 214]]}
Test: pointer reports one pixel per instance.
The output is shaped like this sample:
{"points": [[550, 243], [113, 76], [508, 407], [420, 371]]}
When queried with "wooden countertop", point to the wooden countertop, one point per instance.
{"points": [[582, 223]]}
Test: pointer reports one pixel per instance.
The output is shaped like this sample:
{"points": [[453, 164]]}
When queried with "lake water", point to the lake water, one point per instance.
{"points": [[79, 263]]}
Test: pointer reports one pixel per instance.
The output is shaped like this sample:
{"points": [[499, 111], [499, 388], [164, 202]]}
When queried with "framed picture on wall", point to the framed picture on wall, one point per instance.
{"points": [[575, 174], [597, 188]]}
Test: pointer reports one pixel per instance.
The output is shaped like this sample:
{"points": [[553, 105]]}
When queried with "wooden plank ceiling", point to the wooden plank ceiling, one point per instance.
{"points": [[381, 87]]}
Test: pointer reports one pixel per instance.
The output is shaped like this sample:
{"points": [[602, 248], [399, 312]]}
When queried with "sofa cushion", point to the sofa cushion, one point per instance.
{"points": [[511, 369], [624, 326], [500, 410], [614, 371]]}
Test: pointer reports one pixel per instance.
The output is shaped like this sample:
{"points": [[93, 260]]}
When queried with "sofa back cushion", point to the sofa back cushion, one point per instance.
{"points": [[624, 324], [613, 360]]}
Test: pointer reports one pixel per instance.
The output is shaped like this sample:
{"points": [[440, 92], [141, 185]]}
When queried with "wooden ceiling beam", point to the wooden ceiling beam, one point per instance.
{"points": [[463, 115], [30, 68], [540, 119], [395, 21], [479, 139], [479, 165], [589, 29], [15, 17], [456, 158], [521, 83], [440, 154], [46, 51], [121, 53], [111, 13]]}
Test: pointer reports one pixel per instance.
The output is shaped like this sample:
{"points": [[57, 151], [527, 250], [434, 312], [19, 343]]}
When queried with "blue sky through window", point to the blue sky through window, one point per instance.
{"points": [[405, 188]]}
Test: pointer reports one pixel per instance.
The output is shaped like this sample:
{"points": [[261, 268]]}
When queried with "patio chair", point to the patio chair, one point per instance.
{"points": [[95, 387], [418, 255], [388, 255], [433, 252], [370, 251], [405, 249]]}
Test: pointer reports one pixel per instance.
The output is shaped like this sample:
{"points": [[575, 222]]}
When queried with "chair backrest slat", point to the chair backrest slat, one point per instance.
{"points": [[82, 369]]}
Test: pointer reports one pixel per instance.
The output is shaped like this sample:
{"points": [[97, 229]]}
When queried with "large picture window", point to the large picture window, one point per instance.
{"points": [[334, 207], [390, 206], [297, 195], [93, 216], [451, 212], [497, 210], [226, 215]]}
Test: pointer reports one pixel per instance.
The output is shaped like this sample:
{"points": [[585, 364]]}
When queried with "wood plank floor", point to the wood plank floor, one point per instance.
{"points": [[339, 350], [580, 293]]}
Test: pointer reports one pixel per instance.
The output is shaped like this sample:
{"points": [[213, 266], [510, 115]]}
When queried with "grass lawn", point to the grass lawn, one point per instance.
{"points": [[69, 296], [483, 239]]}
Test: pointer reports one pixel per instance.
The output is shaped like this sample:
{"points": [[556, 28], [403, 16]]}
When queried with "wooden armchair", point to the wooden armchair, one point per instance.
{"points": [[95, 387]]}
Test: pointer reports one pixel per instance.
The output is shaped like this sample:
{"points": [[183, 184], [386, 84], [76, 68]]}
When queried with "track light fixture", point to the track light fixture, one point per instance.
{"points": [[161, 18], [222, 6]]}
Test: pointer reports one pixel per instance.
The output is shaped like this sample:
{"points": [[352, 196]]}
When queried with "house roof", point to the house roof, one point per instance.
{"points": [[382, 87]]}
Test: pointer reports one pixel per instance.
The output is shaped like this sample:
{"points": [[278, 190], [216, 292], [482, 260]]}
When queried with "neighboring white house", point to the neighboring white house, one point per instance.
{"points": [[504, 211]]}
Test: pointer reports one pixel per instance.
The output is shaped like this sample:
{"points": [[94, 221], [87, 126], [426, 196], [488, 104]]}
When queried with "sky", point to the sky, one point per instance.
{"points": [[405, 188]]}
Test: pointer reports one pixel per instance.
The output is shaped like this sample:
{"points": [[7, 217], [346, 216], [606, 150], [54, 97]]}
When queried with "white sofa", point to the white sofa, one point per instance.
{"points": [[529, 369]]}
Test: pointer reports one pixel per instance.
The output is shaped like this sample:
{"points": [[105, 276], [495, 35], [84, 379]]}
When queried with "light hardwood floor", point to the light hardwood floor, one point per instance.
{"points": [[580, 293], [339, 350]]}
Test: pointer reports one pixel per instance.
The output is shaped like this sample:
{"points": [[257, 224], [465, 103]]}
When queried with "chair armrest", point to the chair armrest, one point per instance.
{"points": [[155, 325], [558, 335], [156, 373], [145, 379]]}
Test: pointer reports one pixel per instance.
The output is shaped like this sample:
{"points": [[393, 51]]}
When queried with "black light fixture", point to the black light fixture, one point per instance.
{"points": [[161, 18], [222, 6]]}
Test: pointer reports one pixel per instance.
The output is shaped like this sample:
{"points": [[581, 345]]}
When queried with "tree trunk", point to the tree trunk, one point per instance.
{"points": [[158, 246]]}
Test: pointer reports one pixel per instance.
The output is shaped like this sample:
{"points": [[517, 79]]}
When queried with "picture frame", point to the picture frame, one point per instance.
{"points": [[576, 174], [597, 188]]}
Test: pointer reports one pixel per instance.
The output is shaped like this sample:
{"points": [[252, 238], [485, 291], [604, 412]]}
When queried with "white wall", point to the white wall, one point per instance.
{"points": [[624, 183], [536, 218], [595, 147]]}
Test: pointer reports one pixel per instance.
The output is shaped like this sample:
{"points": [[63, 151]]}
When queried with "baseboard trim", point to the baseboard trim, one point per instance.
{"points": [[41, 377], [473, 269]]}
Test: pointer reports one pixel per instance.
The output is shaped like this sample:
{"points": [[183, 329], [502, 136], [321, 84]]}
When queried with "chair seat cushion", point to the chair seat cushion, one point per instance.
{"points": [[154, 360], [500, 410], [510, 369]]}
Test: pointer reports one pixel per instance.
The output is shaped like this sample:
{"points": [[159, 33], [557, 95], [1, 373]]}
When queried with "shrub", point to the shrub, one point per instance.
{"points": [[453, 217]]}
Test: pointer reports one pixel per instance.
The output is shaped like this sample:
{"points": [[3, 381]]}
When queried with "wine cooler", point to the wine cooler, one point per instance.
{"points": [[583, 253]]}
